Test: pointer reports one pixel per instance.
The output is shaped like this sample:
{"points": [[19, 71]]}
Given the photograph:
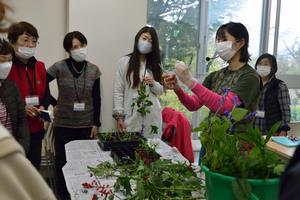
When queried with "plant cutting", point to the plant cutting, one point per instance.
{"points": [[143, 104], [161, 179], [236, 154]]}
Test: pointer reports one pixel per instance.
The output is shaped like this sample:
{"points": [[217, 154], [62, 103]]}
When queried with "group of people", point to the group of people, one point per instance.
{"points": [[256, 89], [25, 93]]}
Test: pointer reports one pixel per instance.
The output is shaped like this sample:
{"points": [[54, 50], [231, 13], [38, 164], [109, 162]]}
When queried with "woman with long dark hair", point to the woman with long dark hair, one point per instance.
{"points": [[142, 66]]}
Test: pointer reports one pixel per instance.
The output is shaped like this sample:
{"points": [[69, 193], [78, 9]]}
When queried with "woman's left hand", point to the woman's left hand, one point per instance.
{"points": [[149, 81], [94, 132]]}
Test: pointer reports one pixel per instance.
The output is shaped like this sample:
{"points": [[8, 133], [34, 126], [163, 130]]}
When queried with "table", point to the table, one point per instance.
{"points": [[83, 153], [283, 151]]}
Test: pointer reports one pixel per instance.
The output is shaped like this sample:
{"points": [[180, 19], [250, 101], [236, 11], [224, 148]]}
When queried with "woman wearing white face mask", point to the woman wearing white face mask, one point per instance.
{"points": [[239, 77], [274, 102], [12, 109], [77, 112], [30, 76], [142, 65]]}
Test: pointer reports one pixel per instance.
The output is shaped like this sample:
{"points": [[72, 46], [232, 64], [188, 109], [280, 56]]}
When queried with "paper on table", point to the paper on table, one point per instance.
{"points": [[85, 149], [166, 151]]}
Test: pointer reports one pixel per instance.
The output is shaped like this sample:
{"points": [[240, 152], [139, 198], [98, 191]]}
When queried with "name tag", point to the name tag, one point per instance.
{"points": [[260, 113], [78, 106], [32, 100]]}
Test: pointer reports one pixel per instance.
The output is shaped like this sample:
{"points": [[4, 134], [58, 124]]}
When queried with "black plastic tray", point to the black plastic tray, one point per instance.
{"points": [[126, 155], [109, 145], [123, 155]]}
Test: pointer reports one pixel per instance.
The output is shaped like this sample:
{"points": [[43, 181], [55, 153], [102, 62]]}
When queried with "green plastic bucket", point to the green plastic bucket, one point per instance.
{"points": [[219, 187]]}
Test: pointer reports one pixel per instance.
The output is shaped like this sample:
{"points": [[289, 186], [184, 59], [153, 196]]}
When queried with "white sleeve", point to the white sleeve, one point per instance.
{"points": [[119, 87], [157, 89]]}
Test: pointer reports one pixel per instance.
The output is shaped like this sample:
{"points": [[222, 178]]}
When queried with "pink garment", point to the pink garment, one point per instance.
{"points": [[178, 131], [203, 96]]}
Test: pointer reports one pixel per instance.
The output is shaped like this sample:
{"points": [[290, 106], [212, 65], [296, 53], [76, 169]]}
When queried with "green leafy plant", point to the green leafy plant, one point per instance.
{"points": [[161, 179], [143, 101], [234, 147], [144, 104], [116, 136]]}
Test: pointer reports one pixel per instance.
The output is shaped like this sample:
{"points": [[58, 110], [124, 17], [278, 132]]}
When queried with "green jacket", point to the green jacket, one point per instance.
{"points": [[11, 97]]}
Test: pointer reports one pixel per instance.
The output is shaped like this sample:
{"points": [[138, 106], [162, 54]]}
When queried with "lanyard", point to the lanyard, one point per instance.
{"points": [[32, 85], [75, 86]]}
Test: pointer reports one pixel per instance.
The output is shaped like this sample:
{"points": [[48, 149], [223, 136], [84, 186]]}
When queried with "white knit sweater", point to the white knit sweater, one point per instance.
{"points": [[124, 96]]}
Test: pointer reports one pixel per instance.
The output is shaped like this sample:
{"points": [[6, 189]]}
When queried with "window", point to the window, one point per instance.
{"points": [[223, 11], [176, 22], [286, 47], [288, 52], [187, 30]]}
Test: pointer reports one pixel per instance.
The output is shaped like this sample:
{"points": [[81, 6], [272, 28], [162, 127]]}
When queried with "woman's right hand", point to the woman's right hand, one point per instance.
{"points": [[121, 126], [170, 81], [32, 111]]}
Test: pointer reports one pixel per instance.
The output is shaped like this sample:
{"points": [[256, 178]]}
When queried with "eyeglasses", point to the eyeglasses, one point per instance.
{"points": [[293, 138]]}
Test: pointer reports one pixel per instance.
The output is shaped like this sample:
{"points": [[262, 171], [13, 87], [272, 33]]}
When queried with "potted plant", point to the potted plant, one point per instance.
{"points": [[237, 164]]}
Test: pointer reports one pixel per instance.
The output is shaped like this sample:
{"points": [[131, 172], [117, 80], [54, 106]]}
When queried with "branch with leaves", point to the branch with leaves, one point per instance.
{"points": [[161, 179]]}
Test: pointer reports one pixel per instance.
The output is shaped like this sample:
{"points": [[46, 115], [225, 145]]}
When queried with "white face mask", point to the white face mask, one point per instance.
{"points": [[263, 70], [225, 50], [5, 69], [26, 52], [79, 54], [144, 46]]}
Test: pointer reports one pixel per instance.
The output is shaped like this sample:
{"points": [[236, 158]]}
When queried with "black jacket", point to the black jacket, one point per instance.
{"points": [[290, 179]]}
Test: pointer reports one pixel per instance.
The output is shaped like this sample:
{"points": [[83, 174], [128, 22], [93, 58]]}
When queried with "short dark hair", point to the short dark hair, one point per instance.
{"points": [[69, 38], [239, 31], [5, 47], [272, 60], [17, 29]]}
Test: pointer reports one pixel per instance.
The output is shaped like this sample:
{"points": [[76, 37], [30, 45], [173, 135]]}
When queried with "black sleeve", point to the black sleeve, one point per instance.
{"points": [[97, 102], [289, 180], [49, 99]]}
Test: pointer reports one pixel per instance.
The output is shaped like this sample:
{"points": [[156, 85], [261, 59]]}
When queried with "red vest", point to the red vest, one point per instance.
{"points": [[31, 83]]}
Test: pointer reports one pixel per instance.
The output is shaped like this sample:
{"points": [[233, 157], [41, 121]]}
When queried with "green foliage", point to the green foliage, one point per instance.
{"points": [[116, 136], [161, 179], [295, 112], [233, 147], [154, 129], [170, 99], [103, 170], [143, 101]]}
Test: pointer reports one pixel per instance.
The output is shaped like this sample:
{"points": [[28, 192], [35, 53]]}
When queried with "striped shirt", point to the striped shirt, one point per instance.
{"points": [[4, 117]]}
